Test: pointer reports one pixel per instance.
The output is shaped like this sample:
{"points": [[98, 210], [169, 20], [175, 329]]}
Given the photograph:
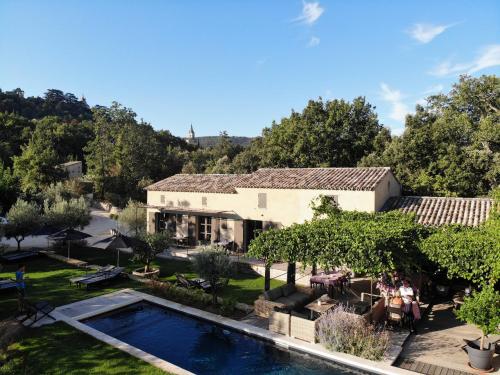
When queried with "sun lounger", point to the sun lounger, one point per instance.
{"points": [[99, 272], [37, 311], [16, 256], [7, 284], [182, 281], [105, 276], [196, 283]]}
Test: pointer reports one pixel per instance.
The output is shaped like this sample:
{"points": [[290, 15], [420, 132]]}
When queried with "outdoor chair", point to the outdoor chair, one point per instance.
{"points": [[99, 272], [395, 314], [16, 256], [7, 284], [303, 328], [279, 322], [196, 283], [37, 311], [105, 276], [183, 281]]}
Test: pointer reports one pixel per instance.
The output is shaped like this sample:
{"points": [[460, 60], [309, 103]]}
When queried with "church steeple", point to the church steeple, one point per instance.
{"points": [[191, 139]]}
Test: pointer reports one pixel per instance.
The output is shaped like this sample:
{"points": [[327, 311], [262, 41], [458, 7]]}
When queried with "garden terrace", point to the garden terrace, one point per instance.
{"points": [[242, 287]]}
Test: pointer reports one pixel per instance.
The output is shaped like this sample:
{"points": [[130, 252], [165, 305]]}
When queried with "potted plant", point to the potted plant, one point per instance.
{"points": [[145, 250], [482, 310]]}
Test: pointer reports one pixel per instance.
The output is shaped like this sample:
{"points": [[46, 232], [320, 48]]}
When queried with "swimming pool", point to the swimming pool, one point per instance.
{"points": [[202, 347]]}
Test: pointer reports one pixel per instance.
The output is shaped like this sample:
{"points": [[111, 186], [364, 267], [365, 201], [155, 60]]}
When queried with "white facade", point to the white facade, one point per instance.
{"points": [[74, 169], [232, 213]]}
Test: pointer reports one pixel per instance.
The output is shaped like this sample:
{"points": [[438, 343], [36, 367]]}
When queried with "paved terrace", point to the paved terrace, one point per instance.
{"points": [[437, 348]]}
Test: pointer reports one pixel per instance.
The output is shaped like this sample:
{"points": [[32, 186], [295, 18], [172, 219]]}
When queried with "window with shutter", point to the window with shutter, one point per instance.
{"points": [[262, 200]]}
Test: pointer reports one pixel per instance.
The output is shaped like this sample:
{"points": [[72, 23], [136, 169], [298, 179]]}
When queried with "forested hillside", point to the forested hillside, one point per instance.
{"points": [[450, 146], [211, 141]]}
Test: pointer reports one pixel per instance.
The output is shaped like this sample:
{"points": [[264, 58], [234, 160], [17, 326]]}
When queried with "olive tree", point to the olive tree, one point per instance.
{"points": [[133, 216], [70, 214], [214, 266], [147, 245], [23, 219]]}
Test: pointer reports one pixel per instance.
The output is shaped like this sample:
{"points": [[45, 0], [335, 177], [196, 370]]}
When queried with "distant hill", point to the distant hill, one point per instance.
{"points": [[210, 141]]}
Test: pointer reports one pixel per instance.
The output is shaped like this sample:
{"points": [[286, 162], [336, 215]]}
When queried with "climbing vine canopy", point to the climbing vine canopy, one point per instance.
{"points": [[367, 243]]}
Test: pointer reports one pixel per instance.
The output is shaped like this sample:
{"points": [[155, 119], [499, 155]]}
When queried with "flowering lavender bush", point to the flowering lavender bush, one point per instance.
{"points": [[341, 330]]}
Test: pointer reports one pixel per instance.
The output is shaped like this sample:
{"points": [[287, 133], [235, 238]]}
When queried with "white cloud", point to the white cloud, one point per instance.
{"points": [[261, 61], [487, 58], [490, 56], [424, 33], [310, 13], [433, 89], [313, 42], [399, 109]]}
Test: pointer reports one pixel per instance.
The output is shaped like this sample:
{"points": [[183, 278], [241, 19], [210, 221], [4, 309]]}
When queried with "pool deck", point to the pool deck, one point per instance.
{"points": [[437, 348], [73, 313]]}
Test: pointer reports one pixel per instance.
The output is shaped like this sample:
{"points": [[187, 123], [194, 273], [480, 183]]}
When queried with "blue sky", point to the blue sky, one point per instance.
{"points": [[239, 65]]}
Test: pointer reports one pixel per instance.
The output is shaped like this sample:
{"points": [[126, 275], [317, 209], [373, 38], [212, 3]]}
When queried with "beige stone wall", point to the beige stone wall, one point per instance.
{"points": [[388, 187], [283, 206]]}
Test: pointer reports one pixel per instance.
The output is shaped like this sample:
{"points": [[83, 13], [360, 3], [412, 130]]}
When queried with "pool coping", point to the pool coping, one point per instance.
{"points": [[277, 339]]}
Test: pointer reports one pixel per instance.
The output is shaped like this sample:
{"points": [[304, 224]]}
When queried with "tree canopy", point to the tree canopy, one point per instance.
{"points": [[24, 218], [451, 145], [72, 213], [469, 253]]}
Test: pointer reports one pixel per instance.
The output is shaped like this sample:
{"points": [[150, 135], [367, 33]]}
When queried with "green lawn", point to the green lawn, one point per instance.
{"points": [[243, 287], [60, 349], [48, 280]]}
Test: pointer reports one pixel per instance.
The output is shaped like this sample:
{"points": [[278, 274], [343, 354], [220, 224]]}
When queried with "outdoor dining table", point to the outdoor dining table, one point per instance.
{"points": [[320, 306]]}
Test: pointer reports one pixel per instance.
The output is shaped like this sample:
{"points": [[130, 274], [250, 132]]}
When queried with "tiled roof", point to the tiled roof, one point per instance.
{"points": [[316, 178], [199, 183], [443, 210], [276, 178]]}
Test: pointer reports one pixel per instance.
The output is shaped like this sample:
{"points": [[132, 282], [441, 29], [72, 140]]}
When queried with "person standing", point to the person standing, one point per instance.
{"points": [[21, 286]]}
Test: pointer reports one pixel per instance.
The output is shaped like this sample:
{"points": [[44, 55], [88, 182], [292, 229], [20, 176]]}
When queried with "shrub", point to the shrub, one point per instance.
{"points": [[191, 297], [214, 266], [228, 306], [482, 310], [341, 330]]}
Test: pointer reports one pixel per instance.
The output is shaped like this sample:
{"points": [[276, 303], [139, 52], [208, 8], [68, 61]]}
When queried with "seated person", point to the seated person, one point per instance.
{"points": [[406, 292], [410, 305], [397, 279]]}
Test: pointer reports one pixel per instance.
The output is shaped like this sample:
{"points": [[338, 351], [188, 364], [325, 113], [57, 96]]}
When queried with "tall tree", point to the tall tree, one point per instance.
{"points": [[334, 133], [8, 188], [450, 146], [37, 166]]}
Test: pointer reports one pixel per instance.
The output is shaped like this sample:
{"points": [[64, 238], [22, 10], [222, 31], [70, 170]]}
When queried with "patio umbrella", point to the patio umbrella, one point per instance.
{"points": [[68, 235], [116, 241]]}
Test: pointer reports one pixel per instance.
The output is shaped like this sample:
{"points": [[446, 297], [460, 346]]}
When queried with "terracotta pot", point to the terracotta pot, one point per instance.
{"points": [[153, 274]]}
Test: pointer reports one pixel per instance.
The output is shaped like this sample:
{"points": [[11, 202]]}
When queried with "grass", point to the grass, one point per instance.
{"points": [[48, 280], [243, 287], [61, 349]]}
